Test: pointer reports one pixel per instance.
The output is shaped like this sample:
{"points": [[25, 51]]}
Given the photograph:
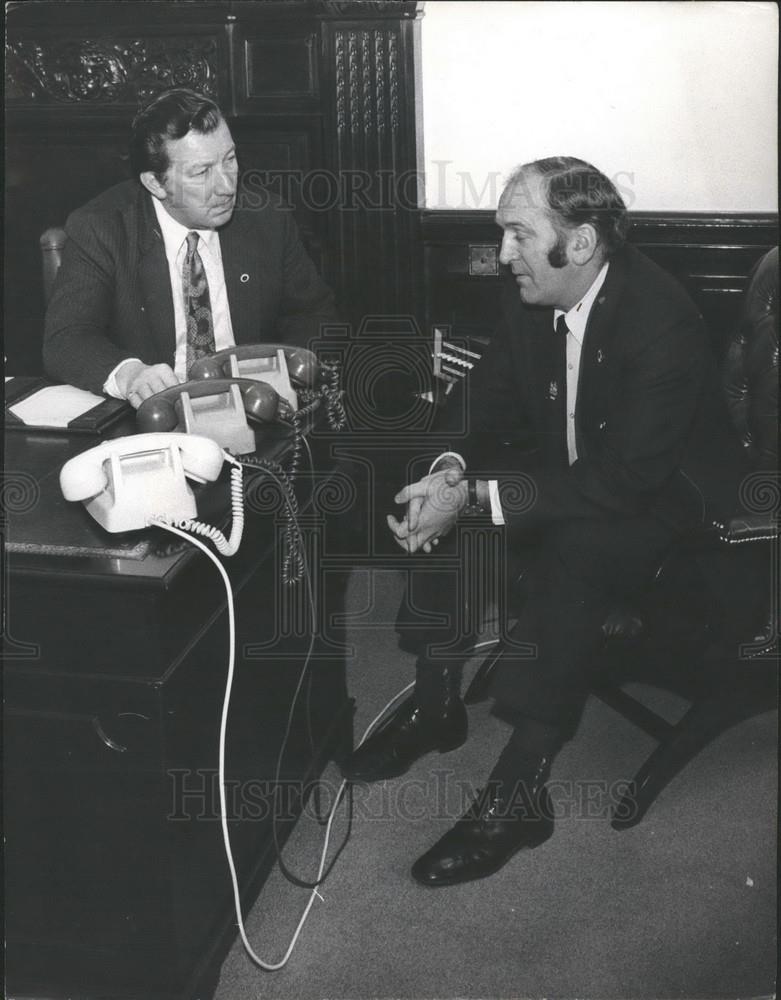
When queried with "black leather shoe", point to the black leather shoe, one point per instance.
{"points": [[403, 738], [485, 838]]}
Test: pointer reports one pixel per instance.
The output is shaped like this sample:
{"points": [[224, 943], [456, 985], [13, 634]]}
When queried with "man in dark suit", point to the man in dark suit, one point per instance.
{"points": [[165, 268], [600, 363]]}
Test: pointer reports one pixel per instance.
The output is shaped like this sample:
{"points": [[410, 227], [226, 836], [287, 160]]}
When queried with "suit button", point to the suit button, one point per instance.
{"points": [[603, 425]]}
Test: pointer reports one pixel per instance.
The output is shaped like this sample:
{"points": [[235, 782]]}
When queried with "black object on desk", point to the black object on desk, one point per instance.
{"points": [[115, 668], [100, 419]]}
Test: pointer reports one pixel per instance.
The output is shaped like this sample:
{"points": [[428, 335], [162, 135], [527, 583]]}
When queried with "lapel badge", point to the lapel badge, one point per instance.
{"points": [[553, 390], [244, 279], [600, 357]]}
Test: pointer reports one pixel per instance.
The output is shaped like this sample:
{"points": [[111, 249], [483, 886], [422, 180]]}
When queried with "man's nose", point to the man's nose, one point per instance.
{"points": [[225, 182], [505, 254]]}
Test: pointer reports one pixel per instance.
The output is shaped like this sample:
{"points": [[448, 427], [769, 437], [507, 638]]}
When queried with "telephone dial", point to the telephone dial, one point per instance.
{"points": [[216, 408], [279, 366]]}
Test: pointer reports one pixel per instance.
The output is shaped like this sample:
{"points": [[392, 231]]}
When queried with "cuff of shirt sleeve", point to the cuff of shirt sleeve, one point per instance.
{"points": [[448, 454], [110, 387], [496, 506]]}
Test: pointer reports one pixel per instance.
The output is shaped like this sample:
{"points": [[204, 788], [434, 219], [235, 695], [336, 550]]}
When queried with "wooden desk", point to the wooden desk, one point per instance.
{"points": [[115, 668]]}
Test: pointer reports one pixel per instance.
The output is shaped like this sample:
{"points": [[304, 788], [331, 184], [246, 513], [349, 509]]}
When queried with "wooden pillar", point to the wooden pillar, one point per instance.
{"points": [[371, 129]]}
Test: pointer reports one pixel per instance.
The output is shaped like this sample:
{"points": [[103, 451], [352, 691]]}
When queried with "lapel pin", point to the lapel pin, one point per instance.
{"points": [[600, 357], [553, 390], [244, 279]]}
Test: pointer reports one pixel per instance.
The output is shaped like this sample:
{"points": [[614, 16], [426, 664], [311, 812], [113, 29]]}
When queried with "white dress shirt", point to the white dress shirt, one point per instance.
{"points": [[175, 242], [577, 320]]}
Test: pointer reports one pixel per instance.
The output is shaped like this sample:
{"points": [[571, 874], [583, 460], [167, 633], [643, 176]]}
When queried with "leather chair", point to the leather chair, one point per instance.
{"points": [[677, 638], [52, 241]]}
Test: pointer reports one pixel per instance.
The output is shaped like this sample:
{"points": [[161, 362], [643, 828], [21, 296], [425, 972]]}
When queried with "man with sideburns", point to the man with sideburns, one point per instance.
{"points": [[602, 365]]}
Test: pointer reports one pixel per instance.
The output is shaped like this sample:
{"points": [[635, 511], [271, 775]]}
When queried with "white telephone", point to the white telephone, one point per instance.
{"points": [[129, 482]]}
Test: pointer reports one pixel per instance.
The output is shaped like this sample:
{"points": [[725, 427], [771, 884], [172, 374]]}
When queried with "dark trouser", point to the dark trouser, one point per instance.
{"points": [[574, 572]]}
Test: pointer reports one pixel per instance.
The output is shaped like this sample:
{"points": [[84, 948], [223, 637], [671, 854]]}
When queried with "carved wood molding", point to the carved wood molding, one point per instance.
{"points": [[367, 82], [371, 8], [104, 71], [696, 229]]}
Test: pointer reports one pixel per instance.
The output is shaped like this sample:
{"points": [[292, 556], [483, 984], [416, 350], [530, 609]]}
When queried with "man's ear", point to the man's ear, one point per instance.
{"points": [[153, 185], [583, 244]]}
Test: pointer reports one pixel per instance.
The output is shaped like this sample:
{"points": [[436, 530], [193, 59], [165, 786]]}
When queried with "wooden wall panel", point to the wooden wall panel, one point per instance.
{"points": [[275, 67], [320, 95], [711, 255]]}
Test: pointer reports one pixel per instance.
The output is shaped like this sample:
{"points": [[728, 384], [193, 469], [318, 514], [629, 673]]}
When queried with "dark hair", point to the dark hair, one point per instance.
{"points": [[171, 115], [578, 193]]}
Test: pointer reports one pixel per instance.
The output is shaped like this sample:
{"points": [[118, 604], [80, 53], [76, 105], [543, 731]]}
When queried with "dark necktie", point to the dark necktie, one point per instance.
{"points": [[197, 304], [560, 379]]}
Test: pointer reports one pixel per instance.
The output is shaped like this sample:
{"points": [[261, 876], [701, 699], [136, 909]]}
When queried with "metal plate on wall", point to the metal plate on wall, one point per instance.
{"points": [[483, 260]]}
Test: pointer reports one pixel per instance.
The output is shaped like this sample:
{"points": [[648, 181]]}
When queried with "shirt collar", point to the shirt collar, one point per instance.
{"points": [[578, 315], [174, 233]]}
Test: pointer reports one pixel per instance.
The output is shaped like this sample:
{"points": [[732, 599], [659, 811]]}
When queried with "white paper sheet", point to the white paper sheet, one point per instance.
{"points": [[55, 406]]}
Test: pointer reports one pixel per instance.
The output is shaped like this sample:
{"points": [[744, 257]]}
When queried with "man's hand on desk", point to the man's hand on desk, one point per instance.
{"points": [[137, 381], [433, 506]]}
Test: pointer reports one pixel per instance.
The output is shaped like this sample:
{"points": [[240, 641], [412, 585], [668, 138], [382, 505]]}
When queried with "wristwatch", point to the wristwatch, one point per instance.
{"points": [[473, 506]]}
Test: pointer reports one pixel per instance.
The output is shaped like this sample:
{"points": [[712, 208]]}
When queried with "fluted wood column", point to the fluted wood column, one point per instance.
{"points": [[371, 141]]}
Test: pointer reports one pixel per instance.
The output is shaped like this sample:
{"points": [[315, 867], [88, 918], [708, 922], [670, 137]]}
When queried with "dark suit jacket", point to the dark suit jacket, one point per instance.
{"points": [[112, 298], [647, 407]]}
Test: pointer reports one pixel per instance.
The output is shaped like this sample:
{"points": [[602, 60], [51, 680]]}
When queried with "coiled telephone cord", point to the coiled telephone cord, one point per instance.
{"points": [[337, 418], [331, 392], [225, 546], [296, 420], [292, 559]]}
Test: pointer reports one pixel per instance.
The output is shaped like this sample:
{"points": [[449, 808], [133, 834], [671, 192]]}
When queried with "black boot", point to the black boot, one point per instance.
{"points": [[502, 820], [419, 725]]}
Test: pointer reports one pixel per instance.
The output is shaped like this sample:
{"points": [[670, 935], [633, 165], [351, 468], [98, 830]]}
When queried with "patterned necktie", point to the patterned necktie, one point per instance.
{"points": [[197, 305]]}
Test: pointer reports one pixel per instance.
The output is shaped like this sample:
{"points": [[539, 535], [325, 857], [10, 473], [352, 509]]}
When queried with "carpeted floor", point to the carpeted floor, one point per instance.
{"points": [[681, 906]]}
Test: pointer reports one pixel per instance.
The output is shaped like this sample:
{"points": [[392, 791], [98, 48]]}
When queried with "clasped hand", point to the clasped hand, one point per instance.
{"points": [[433, 506]]}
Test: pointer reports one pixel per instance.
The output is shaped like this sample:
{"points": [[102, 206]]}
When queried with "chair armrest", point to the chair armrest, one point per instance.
{"points": [[52, 241], [53, 238], [762, 527]]}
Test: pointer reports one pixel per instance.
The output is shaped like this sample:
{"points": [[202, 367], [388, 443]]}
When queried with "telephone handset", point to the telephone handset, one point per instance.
{"points": [[278, 365], [215, 408], [127, 482]]}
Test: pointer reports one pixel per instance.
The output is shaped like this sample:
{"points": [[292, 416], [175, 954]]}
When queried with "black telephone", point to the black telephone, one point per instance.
{"points": [[216, 408], [284, 368]]}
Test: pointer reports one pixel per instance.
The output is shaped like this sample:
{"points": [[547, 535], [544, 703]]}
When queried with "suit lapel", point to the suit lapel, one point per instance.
{"points": [[530, 332], [543, 368], [242, 283], [155, 281], [598, 341]]}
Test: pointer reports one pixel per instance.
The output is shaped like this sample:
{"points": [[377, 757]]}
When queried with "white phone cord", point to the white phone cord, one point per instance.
{"points": [[268, 966], [213, 534], [225, 546]]}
